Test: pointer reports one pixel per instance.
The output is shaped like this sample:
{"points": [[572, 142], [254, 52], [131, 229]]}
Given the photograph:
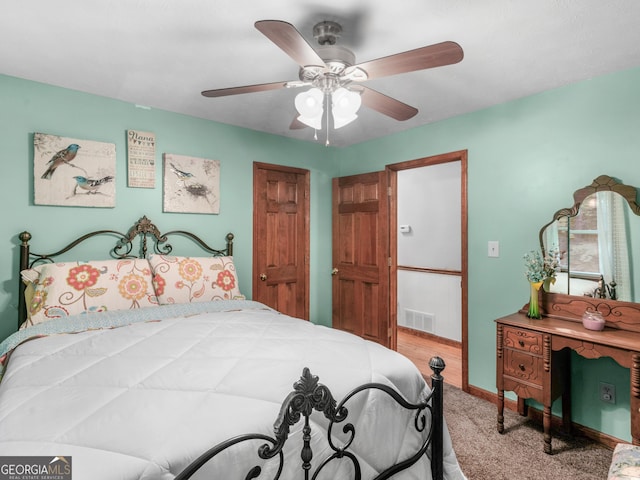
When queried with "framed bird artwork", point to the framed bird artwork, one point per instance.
{"points": [[73, 172], [191, 184]]}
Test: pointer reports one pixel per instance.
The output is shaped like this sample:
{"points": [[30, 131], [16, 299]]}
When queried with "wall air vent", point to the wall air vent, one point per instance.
{"points": [[425, 322]]}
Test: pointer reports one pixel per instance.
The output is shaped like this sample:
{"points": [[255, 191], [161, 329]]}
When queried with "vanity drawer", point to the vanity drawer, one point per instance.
{"points": [[523, 366], [524, 340]]}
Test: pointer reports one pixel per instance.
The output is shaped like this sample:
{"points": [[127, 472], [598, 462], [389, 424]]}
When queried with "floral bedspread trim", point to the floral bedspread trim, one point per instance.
{"points": [[626, 462], [111, 319]]}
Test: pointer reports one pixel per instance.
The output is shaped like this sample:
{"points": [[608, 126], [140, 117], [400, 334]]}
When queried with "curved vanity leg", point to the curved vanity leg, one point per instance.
{"points": [[566, 390], [547, 394], [546, 424], [499, 379], [635, 398], [500, 411]]}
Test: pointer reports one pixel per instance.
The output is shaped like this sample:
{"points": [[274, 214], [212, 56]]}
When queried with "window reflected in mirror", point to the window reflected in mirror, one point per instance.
{"points": [[594, 248]]}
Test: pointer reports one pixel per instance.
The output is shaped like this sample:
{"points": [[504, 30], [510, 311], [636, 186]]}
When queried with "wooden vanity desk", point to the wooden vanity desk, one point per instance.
{"points": [[533, 355]]}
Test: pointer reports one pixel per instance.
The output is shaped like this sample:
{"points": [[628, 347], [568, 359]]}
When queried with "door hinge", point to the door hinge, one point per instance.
{"points": [[389, 191], [389, 261]]}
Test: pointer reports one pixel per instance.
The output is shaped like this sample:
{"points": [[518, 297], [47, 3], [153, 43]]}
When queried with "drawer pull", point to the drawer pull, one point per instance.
{"points": [[521, 343], [522, 367]]}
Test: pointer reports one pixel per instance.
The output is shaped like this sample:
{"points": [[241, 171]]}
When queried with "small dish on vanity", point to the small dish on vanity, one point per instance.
{"points": [[593, 321]]}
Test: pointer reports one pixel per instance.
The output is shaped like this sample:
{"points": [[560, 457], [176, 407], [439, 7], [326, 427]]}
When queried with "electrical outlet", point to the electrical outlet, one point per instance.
{"points": [[607, 392]]}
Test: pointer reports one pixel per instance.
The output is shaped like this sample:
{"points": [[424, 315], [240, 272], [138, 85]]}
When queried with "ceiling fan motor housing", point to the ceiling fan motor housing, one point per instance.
{"points": [[327, 32], [336, 58]]}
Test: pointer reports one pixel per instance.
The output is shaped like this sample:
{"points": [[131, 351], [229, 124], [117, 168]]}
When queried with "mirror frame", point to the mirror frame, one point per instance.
{"points": [[601, 184], [618, 314]]}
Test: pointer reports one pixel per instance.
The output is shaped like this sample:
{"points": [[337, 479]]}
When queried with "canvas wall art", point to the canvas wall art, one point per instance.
{"points": [[191, 184], [73, 172]]}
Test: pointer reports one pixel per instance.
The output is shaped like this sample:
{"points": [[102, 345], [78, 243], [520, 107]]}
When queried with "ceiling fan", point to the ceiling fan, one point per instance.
{"points": [[332, 73]]}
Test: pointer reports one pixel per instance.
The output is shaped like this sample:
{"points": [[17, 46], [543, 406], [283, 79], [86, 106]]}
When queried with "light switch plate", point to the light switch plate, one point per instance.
{"points": [[494, 248]]}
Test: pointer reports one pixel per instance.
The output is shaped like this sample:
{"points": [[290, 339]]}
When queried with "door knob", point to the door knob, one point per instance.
{"points": [[334, 271], [263, 276]]}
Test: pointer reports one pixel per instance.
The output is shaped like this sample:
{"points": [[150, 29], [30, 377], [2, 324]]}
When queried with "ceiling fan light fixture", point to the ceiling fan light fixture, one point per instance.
{"points": [[313, 122], [344, 106], [339, 122], [309, 106]]}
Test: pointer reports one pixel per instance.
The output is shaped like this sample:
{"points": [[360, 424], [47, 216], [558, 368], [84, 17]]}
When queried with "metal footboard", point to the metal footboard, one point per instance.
{"points": [[309, 395]]}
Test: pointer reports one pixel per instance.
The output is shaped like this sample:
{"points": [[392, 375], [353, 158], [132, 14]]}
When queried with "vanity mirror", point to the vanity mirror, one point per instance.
{"points": [[599, 280], [595, 240]]}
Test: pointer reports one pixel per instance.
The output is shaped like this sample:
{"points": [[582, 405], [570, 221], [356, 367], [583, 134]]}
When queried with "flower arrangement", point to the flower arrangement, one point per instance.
{"points": [[540, 271]]}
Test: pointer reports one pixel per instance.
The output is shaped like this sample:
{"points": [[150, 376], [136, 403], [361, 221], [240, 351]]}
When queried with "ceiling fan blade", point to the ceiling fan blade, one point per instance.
{"points": [[285, 36], [262, 87], [386, 105], [438, 55]]}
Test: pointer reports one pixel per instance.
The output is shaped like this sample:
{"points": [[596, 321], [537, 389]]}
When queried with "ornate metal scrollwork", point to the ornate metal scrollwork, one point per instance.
{"points": [[142, 228], [309, 395]]}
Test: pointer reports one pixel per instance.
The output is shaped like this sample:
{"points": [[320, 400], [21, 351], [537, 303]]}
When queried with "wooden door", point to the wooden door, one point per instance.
{"points": [[281, 238], [360, 256]]}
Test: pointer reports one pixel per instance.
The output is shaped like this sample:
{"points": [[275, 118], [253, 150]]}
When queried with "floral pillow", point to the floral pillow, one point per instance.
{"points": [[194, 279], [71, 288]]}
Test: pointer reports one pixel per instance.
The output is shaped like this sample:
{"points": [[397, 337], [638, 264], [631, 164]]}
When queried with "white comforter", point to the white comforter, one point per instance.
{"points": [[143, 401]]}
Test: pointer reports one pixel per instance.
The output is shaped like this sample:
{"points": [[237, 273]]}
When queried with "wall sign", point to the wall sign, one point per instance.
{"points": [[141, 150]]}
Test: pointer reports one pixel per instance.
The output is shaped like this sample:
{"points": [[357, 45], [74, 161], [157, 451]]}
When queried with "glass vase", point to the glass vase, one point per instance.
{"points": [[534, 303]]}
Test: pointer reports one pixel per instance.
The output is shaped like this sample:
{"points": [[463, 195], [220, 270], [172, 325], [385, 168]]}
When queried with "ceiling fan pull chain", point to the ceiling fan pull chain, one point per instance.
{"points": [[326, 97]]}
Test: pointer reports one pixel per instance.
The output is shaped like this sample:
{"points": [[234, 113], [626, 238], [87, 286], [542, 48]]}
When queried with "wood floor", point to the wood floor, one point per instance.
{"points": [[419, 349]]}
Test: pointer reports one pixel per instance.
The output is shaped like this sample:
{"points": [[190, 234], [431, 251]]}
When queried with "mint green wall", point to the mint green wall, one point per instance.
{"points": [[525, 159], [28, 107]]}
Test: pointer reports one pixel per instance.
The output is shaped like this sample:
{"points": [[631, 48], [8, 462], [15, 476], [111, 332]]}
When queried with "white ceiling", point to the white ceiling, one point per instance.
{"points": [[163, 53]]}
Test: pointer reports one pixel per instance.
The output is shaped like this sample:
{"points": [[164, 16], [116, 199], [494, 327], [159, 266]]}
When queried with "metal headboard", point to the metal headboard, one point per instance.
{"points": [[150, 239]]}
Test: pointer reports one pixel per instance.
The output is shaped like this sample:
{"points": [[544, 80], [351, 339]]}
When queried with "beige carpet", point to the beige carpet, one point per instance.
{"points": [[484, 454]]}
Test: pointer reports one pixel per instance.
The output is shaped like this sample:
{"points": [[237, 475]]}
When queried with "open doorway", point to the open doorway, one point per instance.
{"points": [[428, 250]]}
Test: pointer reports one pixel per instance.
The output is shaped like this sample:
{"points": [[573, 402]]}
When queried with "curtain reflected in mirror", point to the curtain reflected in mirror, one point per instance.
{"points": [[594, 248]]}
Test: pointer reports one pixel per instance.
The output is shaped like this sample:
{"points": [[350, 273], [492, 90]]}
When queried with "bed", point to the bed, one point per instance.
{"points": [[150, 365]]}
